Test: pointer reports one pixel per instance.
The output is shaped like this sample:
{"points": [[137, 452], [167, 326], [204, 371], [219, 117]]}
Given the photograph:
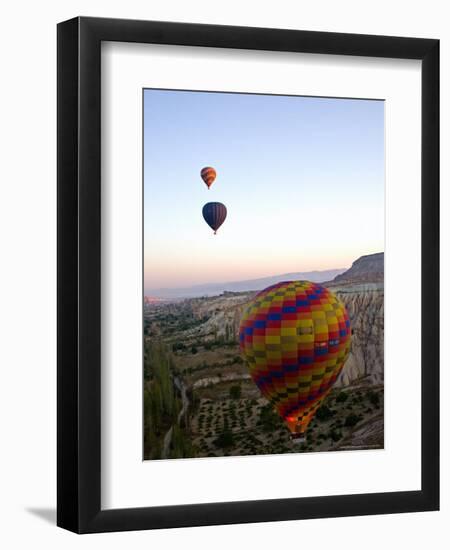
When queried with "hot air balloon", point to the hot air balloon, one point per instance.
{"points": [[214, 214], [208, 175], [295, 338]]}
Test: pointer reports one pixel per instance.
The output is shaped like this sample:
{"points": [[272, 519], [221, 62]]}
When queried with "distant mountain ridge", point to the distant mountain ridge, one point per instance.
{"points": [[213, 289]]}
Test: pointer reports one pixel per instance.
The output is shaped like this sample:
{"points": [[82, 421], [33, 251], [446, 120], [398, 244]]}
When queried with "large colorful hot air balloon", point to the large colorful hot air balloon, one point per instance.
{"points": [[208, 175], [295, 337], [214, 214]]}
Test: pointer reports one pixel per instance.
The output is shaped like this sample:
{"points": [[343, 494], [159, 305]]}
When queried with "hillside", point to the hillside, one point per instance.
{"points": [[368, 269]]}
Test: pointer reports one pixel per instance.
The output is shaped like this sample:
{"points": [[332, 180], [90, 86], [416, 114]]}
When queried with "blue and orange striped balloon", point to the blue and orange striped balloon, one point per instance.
{"points": [[295, 337], [208, 175]]}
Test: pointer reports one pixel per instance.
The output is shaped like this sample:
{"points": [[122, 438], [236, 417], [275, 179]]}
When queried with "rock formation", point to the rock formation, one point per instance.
{"points": [[361, 288]]}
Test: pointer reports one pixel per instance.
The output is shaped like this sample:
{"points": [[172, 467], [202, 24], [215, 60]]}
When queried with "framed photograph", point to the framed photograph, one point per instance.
{"points": [[248, 274]]}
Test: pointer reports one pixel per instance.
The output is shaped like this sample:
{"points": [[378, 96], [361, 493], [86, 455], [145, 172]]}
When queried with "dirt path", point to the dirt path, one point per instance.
{"points": [[184, 399], [183, 411], [166, 443]]}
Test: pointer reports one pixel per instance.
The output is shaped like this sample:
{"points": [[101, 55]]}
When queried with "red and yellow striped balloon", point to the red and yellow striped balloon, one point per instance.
{"points": [[295, 337], [208, 175]]}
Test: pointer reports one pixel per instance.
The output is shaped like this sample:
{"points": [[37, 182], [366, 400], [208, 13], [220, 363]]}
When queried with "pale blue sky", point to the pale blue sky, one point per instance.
{"points": [[302, 179]]}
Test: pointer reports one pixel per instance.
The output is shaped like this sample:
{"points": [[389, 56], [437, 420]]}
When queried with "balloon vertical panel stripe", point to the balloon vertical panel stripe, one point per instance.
{"points": [[295, 337]]}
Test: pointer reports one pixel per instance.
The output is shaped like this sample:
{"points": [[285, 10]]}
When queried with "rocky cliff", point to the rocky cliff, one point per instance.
{"points": [[224, 310], [368, 268], [366, 360], [361, 288]]}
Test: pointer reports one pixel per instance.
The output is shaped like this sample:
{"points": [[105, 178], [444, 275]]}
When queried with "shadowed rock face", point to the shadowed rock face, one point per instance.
{"points": [[361, 288], [366, 359]]}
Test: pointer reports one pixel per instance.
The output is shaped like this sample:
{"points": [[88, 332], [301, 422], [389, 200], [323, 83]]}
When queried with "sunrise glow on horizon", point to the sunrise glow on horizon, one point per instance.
{"points": [[302, 180]]}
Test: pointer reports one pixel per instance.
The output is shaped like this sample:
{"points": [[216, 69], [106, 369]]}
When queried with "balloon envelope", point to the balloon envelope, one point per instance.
{"points": [[295, 337], [214, 214], [208, 175]]}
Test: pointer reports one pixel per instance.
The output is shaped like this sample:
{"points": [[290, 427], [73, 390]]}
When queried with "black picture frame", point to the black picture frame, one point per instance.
{"points": [[79, 280]]}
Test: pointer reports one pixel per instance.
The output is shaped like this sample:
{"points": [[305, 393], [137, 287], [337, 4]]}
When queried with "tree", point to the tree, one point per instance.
{"points": [[342, 397], [235, 392], [268, 419], [334, 435], [178, 346], [224, 440], [351, 420], [324, 413], [374, 398]]}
